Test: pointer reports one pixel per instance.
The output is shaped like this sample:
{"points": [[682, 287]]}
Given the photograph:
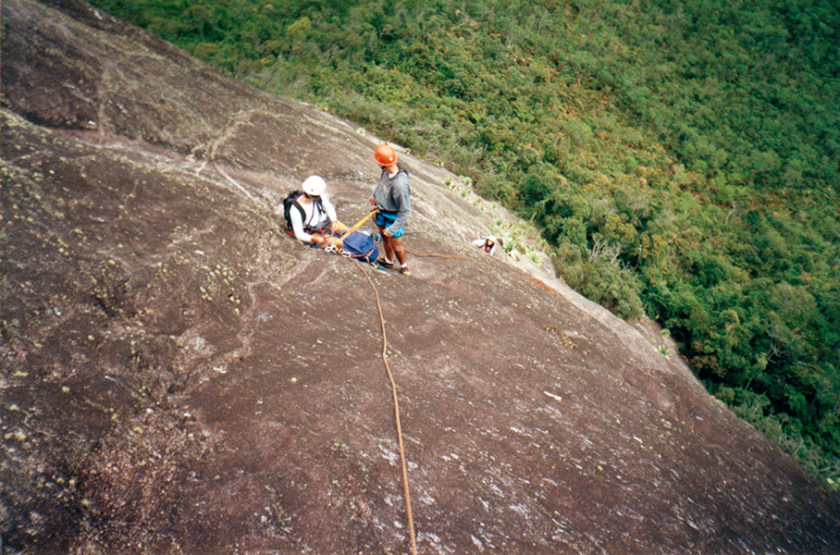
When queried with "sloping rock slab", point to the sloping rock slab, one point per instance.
{"points": [[178, 376]]}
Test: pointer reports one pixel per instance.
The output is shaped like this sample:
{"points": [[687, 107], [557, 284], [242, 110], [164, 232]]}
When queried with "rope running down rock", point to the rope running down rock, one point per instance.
{"points": [[409, 514]]}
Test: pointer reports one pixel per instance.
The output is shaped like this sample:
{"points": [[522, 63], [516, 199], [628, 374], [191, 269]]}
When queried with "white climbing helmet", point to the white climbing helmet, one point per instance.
{"points": [[314, 186]]}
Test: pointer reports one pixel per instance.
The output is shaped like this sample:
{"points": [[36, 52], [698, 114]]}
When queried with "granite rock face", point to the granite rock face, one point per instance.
{"points": [[179, 376]]}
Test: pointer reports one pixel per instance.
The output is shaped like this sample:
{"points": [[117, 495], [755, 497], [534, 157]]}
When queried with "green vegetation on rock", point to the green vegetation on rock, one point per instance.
{"points": [[681, 159]]}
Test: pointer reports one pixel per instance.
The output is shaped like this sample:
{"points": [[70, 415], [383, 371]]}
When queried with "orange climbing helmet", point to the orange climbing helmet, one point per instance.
{"points": [[385, 155]]}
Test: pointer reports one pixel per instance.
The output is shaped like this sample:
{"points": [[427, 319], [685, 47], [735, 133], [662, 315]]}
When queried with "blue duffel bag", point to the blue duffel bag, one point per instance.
{"points": [[360, 245]]}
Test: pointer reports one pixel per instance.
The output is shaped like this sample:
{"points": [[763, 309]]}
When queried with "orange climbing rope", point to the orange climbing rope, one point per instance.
{"points": [[409, 513], [420, 254]]}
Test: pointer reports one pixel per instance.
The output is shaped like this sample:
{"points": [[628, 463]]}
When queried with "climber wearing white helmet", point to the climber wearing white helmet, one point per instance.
{"points": [[311, 215]]}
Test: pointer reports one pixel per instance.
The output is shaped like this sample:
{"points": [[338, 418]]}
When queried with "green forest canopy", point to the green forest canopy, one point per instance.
{"points": [[682, 159]]}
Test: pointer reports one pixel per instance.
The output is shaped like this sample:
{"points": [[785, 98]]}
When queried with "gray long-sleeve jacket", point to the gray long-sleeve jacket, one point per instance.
{"points": [[393, 195]]}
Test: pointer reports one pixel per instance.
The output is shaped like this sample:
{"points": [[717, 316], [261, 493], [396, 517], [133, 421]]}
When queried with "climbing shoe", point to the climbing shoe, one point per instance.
{"points": [[385, 263], [405, 271]]}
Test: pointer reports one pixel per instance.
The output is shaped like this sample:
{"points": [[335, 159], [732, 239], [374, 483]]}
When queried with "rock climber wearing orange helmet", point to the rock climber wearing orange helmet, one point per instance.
{"points": [[391, 197]]}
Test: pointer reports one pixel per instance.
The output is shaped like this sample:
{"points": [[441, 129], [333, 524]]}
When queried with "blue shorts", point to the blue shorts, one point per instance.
{"points": [[384, 219]]}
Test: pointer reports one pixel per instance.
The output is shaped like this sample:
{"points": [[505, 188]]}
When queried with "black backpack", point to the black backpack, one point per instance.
{"points": [[292, 200]]}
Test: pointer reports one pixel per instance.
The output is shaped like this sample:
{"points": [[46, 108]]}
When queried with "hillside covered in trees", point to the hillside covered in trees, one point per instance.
{"points": [[681, 159]]}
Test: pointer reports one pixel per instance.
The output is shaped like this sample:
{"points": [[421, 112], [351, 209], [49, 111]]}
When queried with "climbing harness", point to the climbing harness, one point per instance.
{"points": [[409, 514]]}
